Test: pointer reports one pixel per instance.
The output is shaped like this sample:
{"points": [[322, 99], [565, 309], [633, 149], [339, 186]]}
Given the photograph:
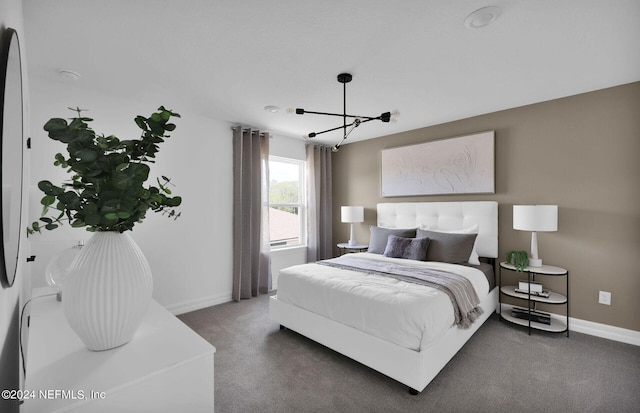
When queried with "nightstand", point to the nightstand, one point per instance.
{"points": [[527, 317], [344, 247]]}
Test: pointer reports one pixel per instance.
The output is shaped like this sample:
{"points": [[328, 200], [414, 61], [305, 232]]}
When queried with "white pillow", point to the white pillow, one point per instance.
{"points": [[473, 258]]}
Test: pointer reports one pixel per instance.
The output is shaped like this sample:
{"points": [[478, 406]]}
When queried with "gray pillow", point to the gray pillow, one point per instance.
{"points": [[448, 247], [409, 248], [378, 239]]}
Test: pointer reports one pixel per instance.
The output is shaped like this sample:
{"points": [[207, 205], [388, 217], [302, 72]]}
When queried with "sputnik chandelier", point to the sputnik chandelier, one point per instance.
{"points": [[347, 128]]}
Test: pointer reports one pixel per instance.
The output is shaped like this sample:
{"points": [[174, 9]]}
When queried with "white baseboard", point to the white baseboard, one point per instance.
{"points": [[605, 331], [199, 303], [622, 335]]}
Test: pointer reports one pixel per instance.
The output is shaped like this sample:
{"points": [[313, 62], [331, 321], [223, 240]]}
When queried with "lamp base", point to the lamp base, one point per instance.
{"points": [[535, 262], [352, 242]]}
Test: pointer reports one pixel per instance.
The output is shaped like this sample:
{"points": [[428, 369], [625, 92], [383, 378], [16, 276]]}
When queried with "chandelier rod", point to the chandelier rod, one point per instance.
{"points": [[344, 105], [300, 111], [358, 121]]}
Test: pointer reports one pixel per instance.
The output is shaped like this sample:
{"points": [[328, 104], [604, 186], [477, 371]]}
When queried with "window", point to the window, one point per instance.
{"points": [[287, 209]]}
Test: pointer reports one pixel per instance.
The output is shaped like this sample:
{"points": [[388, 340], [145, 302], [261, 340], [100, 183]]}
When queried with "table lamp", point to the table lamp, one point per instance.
{"points": [[535, 218], [351, 215]]}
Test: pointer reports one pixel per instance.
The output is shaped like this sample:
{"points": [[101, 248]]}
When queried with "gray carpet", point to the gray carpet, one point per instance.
{"points": [[260, 368]]}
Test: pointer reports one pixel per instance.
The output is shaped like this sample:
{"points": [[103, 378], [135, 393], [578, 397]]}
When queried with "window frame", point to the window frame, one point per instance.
{"points": [[301, 205]]}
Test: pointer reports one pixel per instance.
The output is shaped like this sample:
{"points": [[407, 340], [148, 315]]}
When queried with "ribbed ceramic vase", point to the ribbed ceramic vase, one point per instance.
{"points": [[107, 291]]}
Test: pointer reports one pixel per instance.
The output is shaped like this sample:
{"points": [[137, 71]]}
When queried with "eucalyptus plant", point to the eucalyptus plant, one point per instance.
{"points": [[518, 259], [106, 191]]}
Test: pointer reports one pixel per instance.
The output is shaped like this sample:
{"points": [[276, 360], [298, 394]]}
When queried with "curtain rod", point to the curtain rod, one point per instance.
{"points": [[251, 129]]}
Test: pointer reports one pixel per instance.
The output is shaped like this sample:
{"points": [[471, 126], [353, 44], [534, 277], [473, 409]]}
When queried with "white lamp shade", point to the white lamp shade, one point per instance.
{"points": [[535, 217], [352, 214]]}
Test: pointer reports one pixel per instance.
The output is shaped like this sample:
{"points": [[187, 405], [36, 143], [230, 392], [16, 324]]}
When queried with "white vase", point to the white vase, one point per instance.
{"points": [[107, 291]]}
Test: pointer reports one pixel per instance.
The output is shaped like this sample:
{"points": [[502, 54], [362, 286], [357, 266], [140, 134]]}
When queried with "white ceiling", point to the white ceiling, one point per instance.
{"points": [[228, 59]]}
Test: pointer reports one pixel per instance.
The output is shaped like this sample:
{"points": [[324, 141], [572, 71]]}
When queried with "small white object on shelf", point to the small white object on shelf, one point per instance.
{"points": [[534, 287]]}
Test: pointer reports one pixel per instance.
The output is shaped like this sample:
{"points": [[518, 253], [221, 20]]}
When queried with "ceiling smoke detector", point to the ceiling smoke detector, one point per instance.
{"points": [[482, 17], [68, 74], [272, 109]]}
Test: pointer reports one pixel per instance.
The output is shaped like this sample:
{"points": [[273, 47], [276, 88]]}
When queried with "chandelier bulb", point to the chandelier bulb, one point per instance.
{"points": [[291, 111], [395, 113]]}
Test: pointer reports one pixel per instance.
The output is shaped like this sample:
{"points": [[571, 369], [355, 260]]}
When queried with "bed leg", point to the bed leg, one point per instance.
{"points": [[413, 392]]}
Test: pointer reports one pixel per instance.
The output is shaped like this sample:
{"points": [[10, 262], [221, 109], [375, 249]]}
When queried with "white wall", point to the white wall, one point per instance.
{"points": [[191, 258], [282, 258], [13, 298]]}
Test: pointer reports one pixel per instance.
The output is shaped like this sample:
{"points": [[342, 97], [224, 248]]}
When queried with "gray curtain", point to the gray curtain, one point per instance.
{"points": [[319, 203], [251, 257]]}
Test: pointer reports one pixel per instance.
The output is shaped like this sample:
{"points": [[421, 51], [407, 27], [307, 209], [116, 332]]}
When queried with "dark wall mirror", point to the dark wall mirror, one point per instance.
{"points": [[11, 140]]}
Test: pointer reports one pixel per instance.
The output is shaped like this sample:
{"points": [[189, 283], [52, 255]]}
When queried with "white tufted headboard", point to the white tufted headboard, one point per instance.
{"points": [[446, 216]]}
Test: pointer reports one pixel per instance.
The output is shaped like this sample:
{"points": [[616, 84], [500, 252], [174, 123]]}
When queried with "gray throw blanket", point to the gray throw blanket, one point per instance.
{"points": [[460, 291]]}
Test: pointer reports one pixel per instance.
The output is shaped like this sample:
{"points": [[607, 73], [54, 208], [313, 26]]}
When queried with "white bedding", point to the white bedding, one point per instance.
{"points": [[409, 315]]}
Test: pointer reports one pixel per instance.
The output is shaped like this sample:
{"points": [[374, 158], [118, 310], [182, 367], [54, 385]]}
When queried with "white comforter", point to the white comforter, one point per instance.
{"points": [[407, 314]]}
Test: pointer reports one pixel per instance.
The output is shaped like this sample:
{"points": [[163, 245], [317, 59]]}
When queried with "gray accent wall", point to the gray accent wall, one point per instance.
{"points": [[581, 153]]}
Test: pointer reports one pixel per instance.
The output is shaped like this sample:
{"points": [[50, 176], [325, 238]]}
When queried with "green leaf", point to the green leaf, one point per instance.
{"points": [[78, 223], [55, 124], [48, 200], [121, 180], [49, 189], [51, 226], [93, 219], [60, 161], [141, 122], [86, 155], [111, 216], [70, 199]]}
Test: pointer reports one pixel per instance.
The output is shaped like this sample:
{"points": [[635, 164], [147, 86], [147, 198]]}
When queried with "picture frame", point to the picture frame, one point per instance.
{"points": [[458, 165]]}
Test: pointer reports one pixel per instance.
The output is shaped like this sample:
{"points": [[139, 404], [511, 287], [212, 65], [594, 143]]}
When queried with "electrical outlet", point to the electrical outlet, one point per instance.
{"points": [[604, 298]]}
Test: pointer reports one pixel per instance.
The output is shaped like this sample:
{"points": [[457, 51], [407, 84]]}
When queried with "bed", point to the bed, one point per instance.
{"points": [[404, 330]]}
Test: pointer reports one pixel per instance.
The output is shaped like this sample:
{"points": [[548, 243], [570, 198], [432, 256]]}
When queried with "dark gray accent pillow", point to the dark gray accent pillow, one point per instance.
{"points": [[409, 248], [378, 238], [448, 247]]}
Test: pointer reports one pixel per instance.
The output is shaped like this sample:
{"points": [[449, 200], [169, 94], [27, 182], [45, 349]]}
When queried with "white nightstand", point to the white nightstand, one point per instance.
{"points": [[344, 247], [554, 298]]}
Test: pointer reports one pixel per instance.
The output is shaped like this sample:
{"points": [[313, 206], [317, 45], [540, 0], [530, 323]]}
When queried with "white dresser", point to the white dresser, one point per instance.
{"points": [[167, 367]]}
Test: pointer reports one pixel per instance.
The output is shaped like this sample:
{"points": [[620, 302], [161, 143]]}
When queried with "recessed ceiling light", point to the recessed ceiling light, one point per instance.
{"points": [[69, 74], [482, 17], [272, 109]]}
